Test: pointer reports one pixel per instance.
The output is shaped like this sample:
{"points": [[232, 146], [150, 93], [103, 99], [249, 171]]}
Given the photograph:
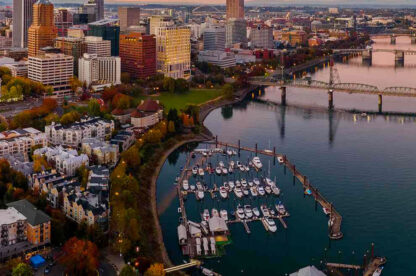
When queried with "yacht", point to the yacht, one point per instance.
{"points": [[378, 271], [256, 212], [214, 213], [205, 215], [238, 164], [200, 195], [264, 210], [224, 171], [237, 183], [229, 152], [256, 181], [204, 154], [269, 182], [246, 192], [205, 244], [231, 183], [244, 182], [257, 163], [268, 189], [199, 186], [221, 164], [240, 212], [269, 224], [276, 191], [192, 186], [194, 170], [201, 171], [253, 191], [224, 214], [250, 183], [232, 164], [198, 246], [248, 211], [223, 192], [185, 185], [280, 208], [238, 192], [326, 211], [218, 170], [261, 191], [247, 168], [242, 169], [230, 169], [280, 160], [226, 186]]}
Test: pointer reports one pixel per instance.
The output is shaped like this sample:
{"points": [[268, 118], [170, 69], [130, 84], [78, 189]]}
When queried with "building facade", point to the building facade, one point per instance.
{"points": [[236, 32], [20, 141], [128, 16], [261, 37], [71, 46], [138, 54], [107, 29], [22, 19], [13, 227], [63, 21], [235, 9], [42, 32], [214, 39], [98, 46], [219, 58], [102, 70], [147, 114], [54, 70], [173, 51]]}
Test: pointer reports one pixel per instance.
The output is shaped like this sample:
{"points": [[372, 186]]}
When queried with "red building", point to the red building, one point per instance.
{"points": [[138, 54]]}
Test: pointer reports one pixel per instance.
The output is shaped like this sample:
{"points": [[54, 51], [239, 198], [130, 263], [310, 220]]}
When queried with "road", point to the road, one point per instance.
{"points": [[10, 109]]}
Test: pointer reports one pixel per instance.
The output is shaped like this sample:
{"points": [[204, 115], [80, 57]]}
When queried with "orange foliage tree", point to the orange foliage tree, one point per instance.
{"points": [[155, 269], [80, 257]]}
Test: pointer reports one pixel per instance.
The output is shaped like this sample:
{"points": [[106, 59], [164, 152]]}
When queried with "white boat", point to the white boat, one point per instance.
{"points": [[378, 271], [280, 208], [238, 183], [331, 221], [205, 244], [280, 160], [242, 168], [257, 163], [226, 186], [326, 211], [185, 185], [234, 152], [201, 171], [194, 170], [229, 152], [204, 154], [192, 186], [200, 195], [271, 225], [198, 246], [246, 192], [205, 215], [250, 183], [244, 182], [221, 164], [199, 186], [276, 191], [248, 212], [231, 183], [238, 192], [214, 213], [238, 164], [268, 189], [224, 171], [264, 210], [261, 191], [223, 192], [247, 168], [218, 170], [253, 191], [256, 181], [224, 214], [269, 182], [230, 169], [212, 244], [240, 212], [232, 164], [256, 212]]}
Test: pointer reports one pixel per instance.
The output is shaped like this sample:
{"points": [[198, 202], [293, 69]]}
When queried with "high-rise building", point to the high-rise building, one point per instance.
{"points": [[128, 16], [236, 32], [96, 45], [63, 21], [54, 70], [99, 70], [235, 9], [261, 37], [157, 21], [22, 19], [100, 9], [173, 51], [71, 46], [138, 54], [42, 32], [108, 30], [214, 39]]}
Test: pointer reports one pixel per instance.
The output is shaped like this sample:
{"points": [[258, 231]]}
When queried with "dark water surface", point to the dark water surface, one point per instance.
{"points": [[365, 165]]}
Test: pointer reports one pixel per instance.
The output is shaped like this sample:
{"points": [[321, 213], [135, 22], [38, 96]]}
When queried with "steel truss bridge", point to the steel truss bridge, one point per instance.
{"points": [[360, 88]]}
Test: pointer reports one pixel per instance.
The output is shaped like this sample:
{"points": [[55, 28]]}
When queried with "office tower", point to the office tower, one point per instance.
{"points": [[214, 39], [107, 29], [128, 16], [157, 21], [100, 9], [235, 9], [173, 51], [99, 70], [63, 21], [261, 37], [138, 54], [54, 70], [42, 32], [236, 32], [71, 46], [96, 45], [22, 19], [87, 13]]}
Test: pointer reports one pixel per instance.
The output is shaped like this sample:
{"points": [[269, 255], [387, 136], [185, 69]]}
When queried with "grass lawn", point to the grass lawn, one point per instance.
{"points": [[194, 96]]}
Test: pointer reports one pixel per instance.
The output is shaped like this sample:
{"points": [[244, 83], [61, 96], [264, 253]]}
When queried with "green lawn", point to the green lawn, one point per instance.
{"points": [[194, 96]]}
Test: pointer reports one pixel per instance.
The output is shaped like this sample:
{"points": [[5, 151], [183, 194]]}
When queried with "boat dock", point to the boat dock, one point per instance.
{"points": [[246, 221], [335, 219]]}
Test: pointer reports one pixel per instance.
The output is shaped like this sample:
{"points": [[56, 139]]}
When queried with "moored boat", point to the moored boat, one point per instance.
{"points": [[240, 212], [271, 225], [264, 210], [201, 171], [280, 208], [205, 215], [378, 271], [256, 212], [276, 191], [257, 163], [248, 211], [261, 191], [253, 191], [214, 213], [224, 214], [280, 160], [185, 185], [238, 192], [326, 211], [223, 192], [218, 170], [268, 189]]}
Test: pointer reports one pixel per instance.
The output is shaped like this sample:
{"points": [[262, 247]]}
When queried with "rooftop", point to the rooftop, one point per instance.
{"points": [[10, 215], [32, 214]]}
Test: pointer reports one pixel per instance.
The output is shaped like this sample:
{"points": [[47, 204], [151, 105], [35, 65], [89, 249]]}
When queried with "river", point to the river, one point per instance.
{"points": [[365, 165]]}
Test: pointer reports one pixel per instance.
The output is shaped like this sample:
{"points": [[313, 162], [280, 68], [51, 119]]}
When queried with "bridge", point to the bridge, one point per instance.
{"points": [[192, 263], [367, 54], [394, 36]]}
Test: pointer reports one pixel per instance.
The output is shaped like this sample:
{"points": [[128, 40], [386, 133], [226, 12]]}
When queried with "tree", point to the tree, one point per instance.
{"points": [[82, 173], [94, 107], [181, 86], [155, 269], [171, 127], [80, 257], [22, 269], [228, 91], [70, 117], [169, 85], [124, 102], [75, 84], [127, 271]]}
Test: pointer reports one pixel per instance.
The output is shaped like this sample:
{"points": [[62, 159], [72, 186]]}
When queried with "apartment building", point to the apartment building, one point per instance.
{"points": [[97, 45], [100, 152], [20, 141], [99, 70]]}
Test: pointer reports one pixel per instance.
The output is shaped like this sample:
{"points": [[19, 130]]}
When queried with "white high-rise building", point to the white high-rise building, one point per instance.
{"points": [[99, 70], [22, 19], [96, 45], [54, 70], [214, 39]]}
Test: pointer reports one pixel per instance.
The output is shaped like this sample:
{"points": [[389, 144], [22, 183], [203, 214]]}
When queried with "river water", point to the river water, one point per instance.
{"points": [[365, 165]]}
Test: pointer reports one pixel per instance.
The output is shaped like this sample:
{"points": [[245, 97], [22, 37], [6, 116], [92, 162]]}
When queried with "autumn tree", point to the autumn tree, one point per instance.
{"points": [[22, 269], [127, 270], [80, 257], [155, 269], [94, 108]]}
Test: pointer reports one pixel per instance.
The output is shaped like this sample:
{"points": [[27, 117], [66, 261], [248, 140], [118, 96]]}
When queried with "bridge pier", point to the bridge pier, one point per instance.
{"points": [[283, 101], [330, 99], [380, 103], [392, 40], [399, 58], [367, 56]]}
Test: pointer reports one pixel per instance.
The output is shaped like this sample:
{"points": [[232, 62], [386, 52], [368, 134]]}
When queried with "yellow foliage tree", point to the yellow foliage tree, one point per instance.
{"points": [[155, 269]]}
